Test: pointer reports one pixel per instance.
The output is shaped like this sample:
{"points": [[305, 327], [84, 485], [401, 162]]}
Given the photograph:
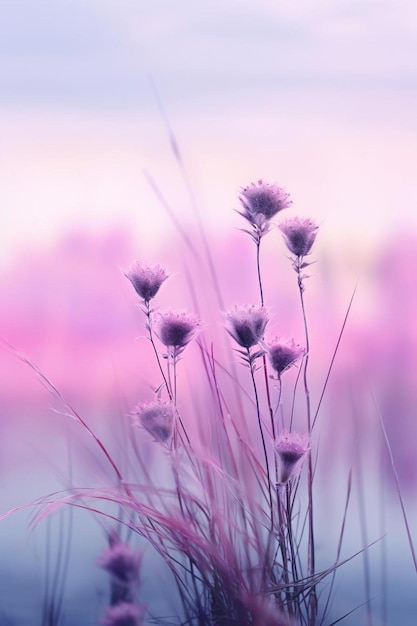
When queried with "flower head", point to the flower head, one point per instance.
{"points": [[299, 234], [121, 562], [157, 418], [291, 449], [177, 329], [261, 202], [124, 614], [246, 324], [146, 280], [283, 353]]}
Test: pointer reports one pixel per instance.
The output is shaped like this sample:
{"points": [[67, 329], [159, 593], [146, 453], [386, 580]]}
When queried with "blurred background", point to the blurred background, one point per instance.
{"points": [[127, 130]]}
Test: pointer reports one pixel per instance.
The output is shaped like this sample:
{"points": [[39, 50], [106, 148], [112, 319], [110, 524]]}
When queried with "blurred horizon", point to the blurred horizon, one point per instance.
{"points": [[320, 100]]}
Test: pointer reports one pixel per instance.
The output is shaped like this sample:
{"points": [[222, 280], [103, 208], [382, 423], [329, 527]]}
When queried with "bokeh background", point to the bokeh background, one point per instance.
{"points": [[127, 129]]}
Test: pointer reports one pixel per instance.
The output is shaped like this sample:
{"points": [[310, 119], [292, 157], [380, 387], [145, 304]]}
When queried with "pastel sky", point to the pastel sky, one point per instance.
{"points": [[320, 97]]}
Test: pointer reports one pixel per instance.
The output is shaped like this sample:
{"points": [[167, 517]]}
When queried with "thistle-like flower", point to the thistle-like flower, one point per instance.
{"points": [[299, 235], [146, 280], [121, 562], [157, 418], [283, 353], [261, 202], [246, 324], [176, 330], [124, 614], [291, 449]]}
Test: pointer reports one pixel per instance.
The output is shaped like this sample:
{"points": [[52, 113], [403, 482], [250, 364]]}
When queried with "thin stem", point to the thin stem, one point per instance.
{"points": [[258, 268], [165, 377], [176, 151], [158, 360], [282, 515], [311, 548], [275, 452], [335, 353], [174, 375], [383, 532], [279, 400], [396, 477], [258, 413], [339, 548], [288, 506], [307, 342], [171, 393], [173, 384], [264, 363]]}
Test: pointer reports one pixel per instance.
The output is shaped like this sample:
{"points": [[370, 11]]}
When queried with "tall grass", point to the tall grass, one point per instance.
{"points": [[228, 497], [227, 501]]}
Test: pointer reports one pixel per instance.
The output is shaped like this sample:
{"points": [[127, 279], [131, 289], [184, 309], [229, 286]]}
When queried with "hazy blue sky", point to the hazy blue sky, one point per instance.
{"points": [[95, 52], [317, 96]]}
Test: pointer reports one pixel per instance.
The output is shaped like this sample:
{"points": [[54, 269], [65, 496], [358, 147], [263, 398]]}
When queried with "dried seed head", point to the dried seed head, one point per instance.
{"points": [[299, 235], [246, 324], [262, 201], [291, 449], [125, 614], [121, 562], [157, 418], [283, 353], [146, 280], [177, 329]]}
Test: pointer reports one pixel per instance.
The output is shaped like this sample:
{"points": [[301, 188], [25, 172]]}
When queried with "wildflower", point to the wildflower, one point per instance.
{"points": [[146, 280], [121, 562], [261, 202], [246, 324], [299, 234], [291, 449], [124, 614], [157, 418], [283, 353], [177, 329]]}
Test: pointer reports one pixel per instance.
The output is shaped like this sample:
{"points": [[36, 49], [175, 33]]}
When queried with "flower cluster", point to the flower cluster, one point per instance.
{"points": [[246, 324], [299, 235], [261, 202], [283, 353], [291, 449], [121, 562], [146, 280], [176, 330], [157, 418]]}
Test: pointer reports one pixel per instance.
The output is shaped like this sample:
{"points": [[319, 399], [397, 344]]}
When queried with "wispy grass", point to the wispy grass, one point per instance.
{"points": [[229, 529], [227, 498]]}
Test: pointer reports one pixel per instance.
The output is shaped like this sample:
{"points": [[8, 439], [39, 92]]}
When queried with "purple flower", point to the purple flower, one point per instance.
{"points": [[124, 614], [177, 329], [121, 562], [299, 234], [157, 418], [146, 280], [283, 353], [291, 449], [246, 324], [262, 201]]}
